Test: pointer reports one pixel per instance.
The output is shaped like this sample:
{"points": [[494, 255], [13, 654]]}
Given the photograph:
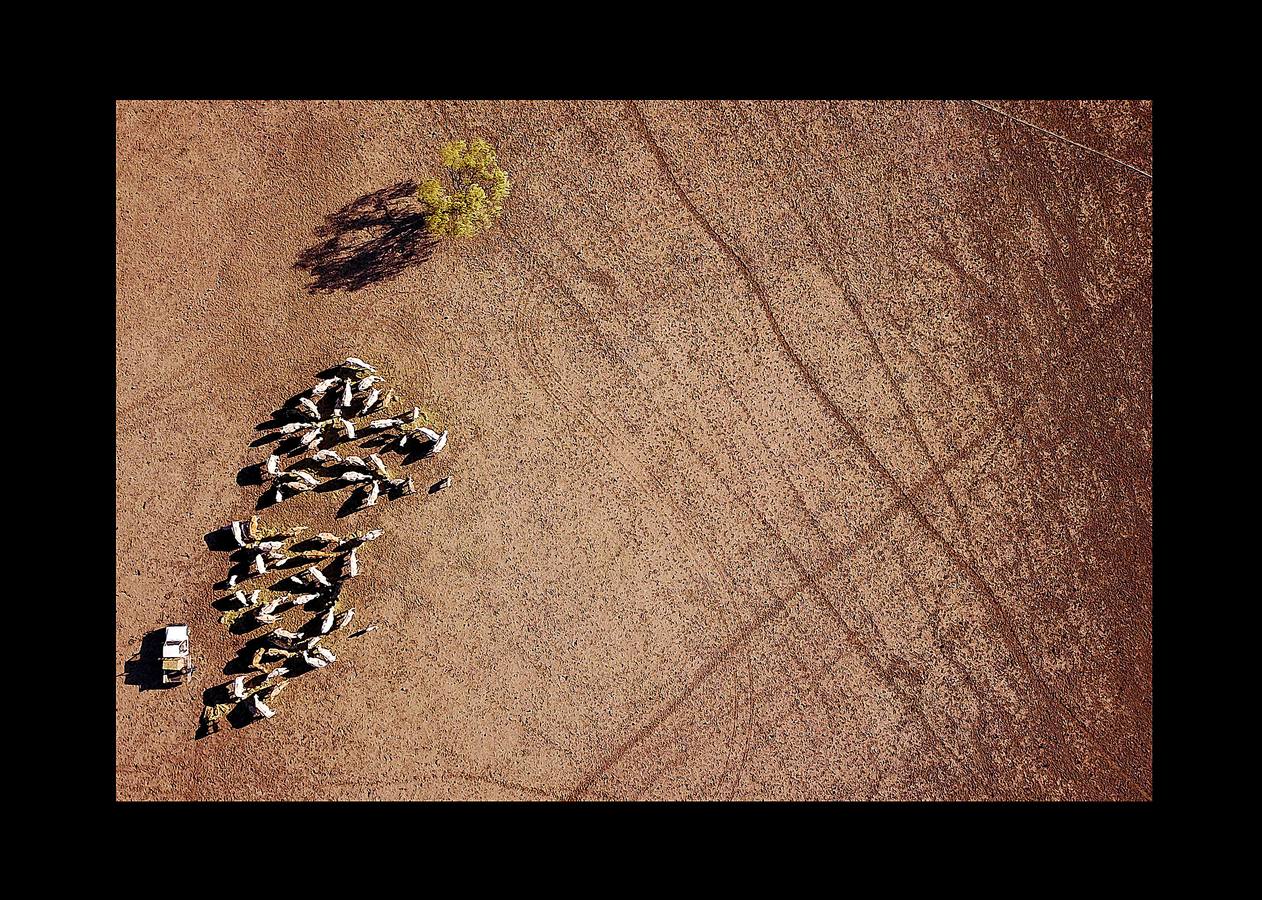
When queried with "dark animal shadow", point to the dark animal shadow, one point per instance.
{"points": [[268, 496], [219, 693], [377, 441], [291, 411], [320, 604], [294, 562], [247, 577], [371, 239], [239, 716], [244, 573], [145, 668], [266, 499], [310, 465], [248, 624], [270, 437], [312, 627], [415, 451], [240, 664], [242, 559], [286, 444], [226, 603], [354, 503]]}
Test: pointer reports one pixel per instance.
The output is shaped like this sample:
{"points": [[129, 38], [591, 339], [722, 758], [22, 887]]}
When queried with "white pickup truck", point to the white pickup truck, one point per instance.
{"points": [[176, 665]]}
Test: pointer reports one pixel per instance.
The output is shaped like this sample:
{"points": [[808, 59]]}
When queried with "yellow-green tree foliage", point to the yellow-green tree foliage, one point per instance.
{"points": [[481, 188]]}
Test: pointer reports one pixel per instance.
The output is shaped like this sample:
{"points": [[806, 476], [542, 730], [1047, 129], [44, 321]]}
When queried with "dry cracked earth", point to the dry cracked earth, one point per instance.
{"points": [[802, 450]]}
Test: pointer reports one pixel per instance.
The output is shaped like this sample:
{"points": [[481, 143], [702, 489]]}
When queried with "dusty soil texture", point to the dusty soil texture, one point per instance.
{"points": [[801, 450]]}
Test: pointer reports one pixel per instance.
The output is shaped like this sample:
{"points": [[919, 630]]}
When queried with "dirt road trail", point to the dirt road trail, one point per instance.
{"points": [[800, 450]]}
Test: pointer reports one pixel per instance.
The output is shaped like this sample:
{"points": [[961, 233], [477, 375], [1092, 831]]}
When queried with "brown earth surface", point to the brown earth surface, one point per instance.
{"points": [[802, 450]]}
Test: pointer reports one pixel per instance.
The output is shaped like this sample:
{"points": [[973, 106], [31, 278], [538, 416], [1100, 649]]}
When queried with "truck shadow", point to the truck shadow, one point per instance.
{"points": [[144, 669], [220, 540]]}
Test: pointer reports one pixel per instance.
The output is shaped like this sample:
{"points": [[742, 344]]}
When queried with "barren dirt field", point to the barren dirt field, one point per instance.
{"points": [[801, 450]]}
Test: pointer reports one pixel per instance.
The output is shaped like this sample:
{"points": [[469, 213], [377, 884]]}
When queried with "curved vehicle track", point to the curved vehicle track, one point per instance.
{"points": [[805, 448]]}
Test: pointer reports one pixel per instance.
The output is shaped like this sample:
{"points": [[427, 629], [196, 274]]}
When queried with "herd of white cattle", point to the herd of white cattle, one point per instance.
{"points": [[282, 654]]}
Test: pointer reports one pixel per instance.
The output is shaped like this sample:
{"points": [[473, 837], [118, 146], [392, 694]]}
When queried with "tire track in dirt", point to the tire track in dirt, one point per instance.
{"points": [[807, 582], [962, 560], [695, 540], [595, 328], [628, 465], [707, 358], [796, 562], [967, 567], [847, 294], [980, 746]]}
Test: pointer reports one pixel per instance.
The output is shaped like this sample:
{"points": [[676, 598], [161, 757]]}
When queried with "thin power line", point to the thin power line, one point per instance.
{"points": [[1062, 137]]}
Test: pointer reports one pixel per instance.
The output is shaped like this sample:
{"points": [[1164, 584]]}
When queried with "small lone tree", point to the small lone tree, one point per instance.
{"points": [[481, 187]]}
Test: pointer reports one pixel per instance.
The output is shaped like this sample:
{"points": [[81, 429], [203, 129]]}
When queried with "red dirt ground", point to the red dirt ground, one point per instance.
{"points": [[801, 450]]}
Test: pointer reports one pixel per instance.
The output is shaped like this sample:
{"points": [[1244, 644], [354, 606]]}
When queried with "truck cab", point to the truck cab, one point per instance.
{"points": [[176, 665]]}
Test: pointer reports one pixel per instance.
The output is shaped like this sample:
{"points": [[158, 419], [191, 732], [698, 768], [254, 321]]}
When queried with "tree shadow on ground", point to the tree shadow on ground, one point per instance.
{"points": [[369, 240]]}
